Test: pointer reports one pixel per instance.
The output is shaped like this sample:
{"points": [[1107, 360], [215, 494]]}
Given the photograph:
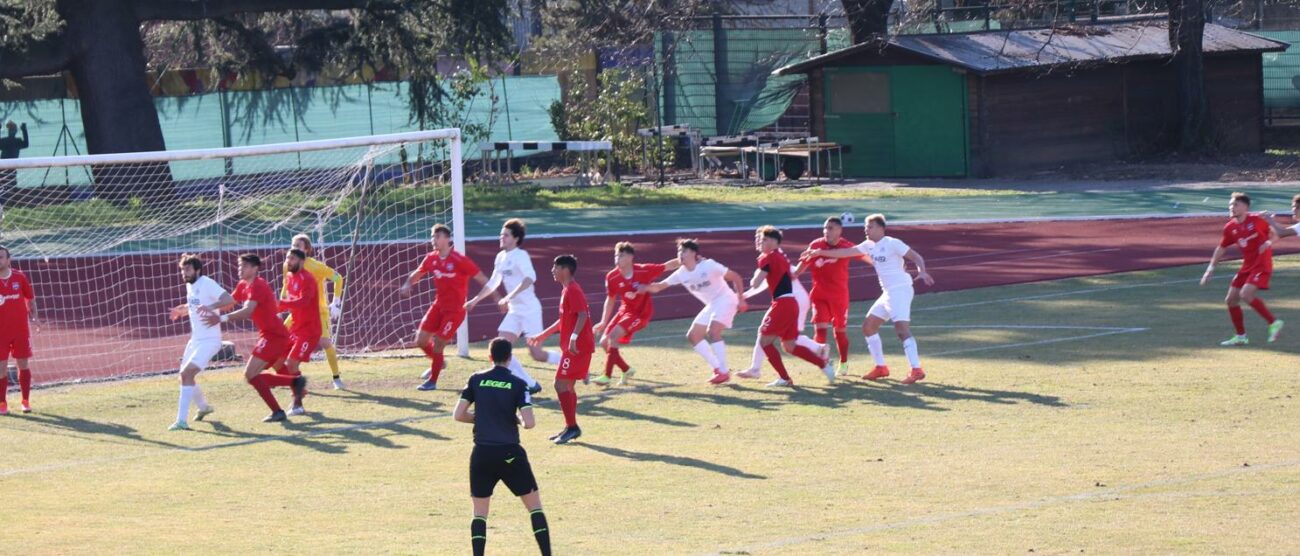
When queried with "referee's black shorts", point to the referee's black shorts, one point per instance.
{"points": [[508, 464]]}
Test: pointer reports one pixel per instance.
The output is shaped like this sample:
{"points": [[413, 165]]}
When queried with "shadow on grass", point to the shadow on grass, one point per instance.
{"points": [[681, 461], [110, 431]]}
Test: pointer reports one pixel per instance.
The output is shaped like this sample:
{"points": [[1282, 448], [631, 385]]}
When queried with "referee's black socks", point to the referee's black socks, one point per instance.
{"points": [[540, 531], [478, 534]]}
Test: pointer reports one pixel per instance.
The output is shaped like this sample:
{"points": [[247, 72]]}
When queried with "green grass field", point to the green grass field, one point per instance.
{"points": [[1084, 415]]}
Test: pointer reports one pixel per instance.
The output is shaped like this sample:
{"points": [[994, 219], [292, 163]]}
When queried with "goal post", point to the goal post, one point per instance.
{"points": [[100, 237]]}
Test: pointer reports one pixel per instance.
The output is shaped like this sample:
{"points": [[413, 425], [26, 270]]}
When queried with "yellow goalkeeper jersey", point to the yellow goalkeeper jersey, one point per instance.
{"points": [[321, 272]]}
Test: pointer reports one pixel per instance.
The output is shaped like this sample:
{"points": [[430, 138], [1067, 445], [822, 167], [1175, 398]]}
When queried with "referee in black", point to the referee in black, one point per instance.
{"points": [[501, 403]]}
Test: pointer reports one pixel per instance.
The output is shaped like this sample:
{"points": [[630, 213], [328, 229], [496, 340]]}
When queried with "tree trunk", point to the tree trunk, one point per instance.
{"points": [[117, 109], [1186, 32], [867, 18]]}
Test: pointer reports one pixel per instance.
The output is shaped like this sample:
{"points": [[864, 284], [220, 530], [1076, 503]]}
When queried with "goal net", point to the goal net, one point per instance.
{"points": [[100, 238]]}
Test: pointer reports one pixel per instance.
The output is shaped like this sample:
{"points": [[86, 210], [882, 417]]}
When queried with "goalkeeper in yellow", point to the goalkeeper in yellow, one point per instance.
{"points": [[328, 310]]}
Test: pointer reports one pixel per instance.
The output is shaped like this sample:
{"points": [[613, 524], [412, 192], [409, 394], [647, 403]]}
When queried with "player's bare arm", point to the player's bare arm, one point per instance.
{"points": [[577, 326], [738, 286], [488, 287], [671, 265], [1214, 260], [1279, 230], [31, 315], [831, 253], [411, 280], [654, 288], [606, 312], [536, 341], [756, 285], [244, 312], [462, 413], [525, 284], [919, 261]]}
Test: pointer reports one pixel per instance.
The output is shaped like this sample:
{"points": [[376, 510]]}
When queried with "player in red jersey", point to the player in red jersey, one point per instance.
{"points": [[634, 313], [781, 321], [1253, 235], [830, 288], [577, 342], [17, 309], [302, 301], [451, 273], [273, 340]]}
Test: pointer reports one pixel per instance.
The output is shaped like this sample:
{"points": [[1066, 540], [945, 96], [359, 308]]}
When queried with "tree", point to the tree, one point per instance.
{"points": [[107, 45], [867, 18], [1186, 33]]}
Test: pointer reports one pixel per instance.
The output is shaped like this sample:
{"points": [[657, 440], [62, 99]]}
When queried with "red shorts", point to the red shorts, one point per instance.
{"points": [[271, 349], [1257, 278], [629, 323], [830, 309], [573, 367], [18, 348], [300, 348], [782, 319], [442, 321]]}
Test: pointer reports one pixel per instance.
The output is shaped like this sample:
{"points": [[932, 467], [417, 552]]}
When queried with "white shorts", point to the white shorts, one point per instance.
{"points": [[721, 310], [523, 325], [199, 353], [801, 297], [894, 304]]}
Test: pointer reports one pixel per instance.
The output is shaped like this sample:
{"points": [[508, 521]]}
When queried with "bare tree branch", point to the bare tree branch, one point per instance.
{"points": [[43, 57], [188, 10]]}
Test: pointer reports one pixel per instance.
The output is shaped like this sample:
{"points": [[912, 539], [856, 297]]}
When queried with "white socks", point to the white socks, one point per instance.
{"points": [[909, 348], [183, 412], [518, 370], [199, 400], [720, 352], [809, 343], [757, 361], [553, 357], [878, 350], [706, 351]]}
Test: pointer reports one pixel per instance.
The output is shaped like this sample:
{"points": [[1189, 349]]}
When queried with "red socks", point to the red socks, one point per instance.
{"points": [[1238, 320], [842, 343], [4, 384], [278, 380], [774, 357], [807, 355], [25, 382], [1259, 307], [614, 358], [435, 368], [259, 383], [569, 405], [819, 335]]}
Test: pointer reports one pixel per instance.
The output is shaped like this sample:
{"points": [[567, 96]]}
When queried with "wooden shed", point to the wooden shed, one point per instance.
{"points": [[1000, 102]]}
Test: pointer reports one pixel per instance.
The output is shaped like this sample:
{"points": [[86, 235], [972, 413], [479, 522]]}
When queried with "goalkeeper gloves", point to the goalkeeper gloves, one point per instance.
{"points": [[336, 308]]}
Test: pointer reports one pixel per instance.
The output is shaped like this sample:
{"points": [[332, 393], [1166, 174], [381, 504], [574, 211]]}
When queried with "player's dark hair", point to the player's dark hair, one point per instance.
{"points": [[567, 261], [877, 218], [769, 231], [691, 244], [500, 350], [251, 259], [624, 247], [836, 221], [1241, 198], [441, 229], [193, 261], [306, 239], [5, 249], [298, 253], [517, 229]]}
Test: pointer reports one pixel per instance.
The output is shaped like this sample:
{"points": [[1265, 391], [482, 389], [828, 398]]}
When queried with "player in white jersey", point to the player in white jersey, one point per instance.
{"points": [[889, 256], [1286, 231], [514, 269], [202, 296], [707, 280]]}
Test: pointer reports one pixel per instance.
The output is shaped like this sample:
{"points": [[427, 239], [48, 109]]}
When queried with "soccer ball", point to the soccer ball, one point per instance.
{"points": [[847, 218]]}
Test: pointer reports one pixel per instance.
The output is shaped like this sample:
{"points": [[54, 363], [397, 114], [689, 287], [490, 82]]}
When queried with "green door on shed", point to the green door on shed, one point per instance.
{"points": [[901, 121]]}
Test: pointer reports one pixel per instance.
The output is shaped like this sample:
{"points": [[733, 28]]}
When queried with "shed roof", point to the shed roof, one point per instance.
{"points": [[1022, 49]]}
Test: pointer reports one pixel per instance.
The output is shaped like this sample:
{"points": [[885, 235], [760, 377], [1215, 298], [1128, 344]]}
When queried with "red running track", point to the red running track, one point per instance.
{"points": [[90, 333]]}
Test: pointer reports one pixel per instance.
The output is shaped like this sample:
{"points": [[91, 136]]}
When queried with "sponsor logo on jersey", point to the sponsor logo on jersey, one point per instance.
{"points": [[489, 383]]}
